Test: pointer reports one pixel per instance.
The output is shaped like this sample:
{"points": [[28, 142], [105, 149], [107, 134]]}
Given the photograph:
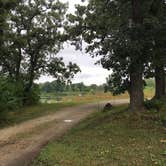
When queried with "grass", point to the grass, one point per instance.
{"points": [[116, 137], [88, 97], [149, 92], [8, 118], [85, 98], [13, 117]]}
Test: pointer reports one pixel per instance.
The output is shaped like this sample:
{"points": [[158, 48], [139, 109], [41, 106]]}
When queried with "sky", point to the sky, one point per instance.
{"points": [[90, 73]]}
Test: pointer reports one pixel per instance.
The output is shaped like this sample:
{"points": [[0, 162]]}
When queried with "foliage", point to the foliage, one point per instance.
{"points": [[59, 86], [122, 34], [11, 94], [33, 34], [116, 84], [155, 104], [55, 86], [114, 30], [150, 83], [32, 97]]}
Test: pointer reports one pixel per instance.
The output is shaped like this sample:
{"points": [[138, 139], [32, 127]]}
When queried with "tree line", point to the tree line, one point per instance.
{"points": [[129, 36], [57, 87]]}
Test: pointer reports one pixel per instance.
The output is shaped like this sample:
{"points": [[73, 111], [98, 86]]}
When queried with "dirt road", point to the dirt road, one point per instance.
{"points": [[20, 144]]}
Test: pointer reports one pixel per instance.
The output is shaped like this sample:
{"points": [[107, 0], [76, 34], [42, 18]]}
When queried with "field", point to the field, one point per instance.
{"points": [[116, 137], [88, 97]]}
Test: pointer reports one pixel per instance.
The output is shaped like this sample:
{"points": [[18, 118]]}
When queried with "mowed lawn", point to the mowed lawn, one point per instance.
{"points": [[113, 138]]}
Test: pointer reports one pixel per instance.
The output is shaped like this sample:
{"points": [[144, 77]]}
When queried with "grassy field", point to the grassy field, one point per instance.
{"points": [[98, 96], [113, 138]]}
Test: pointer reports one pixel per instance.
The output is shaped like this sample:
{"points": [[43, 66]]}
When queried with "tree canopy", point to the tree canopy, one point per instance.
{"points": [[122, 34], [33, 36]]}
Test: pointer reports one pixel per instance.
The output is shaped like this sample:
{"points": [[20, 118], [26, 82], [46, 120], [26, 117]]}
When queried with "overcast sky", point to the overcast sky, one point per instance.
{"points": [[91, 74]]}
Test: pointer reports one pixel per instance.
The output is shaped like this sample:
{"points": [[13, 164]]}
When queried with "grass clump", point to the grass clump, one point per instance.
{"points": [[116, 137]]}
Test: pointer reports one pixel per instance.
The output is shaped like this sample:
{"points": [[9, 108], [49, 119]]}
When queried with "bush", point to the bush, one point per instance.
{"points": [[11, 94], [33, 96], [10, 98], [154, 104]]}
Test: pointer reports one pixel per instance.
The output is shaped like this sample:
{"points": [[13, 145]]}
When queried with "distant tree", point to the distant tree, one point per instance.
{"points": [[58, 86], [46, 87], [94, 87], [79, 87]]}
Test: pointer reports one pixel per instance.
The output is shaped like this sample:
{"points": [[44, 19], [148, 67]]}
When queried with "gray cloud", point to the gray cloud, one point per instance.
{"points": [[90, 73]]}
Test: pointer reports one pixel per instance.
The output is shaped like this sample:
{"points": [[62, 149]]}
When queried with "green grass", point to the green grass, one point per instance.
{"points": [[114, 138], [8, 118]]}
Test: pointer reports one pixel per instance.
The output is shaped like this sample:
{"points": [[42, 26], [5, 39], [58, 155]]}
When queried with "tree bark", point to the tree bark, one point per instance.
{"points": [[136, 69], [18, 65], [31, 75], [159, 82], [136, 12], [136, 91]]}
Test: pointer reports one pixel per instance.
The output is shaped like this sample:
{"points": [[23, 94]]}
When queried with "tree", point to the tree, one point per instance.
{"points": [[53, 87], [33, 39], [155, 21], [157, 12], [5, 7], [115, 31]]}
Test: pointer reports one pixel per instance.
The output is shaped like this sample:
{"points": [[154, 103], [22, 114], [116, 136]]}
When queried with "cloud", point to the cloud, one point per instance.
{"points": [[91, 74]]}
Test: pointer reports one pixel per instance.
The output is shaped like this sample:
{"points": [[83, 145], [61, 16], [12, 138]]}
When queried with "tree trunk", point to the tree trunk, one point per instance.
{"points": [[18, 65], [136, 91], [136, 12], [31, 78], [28, 88], [136, 71], [159, 82]]}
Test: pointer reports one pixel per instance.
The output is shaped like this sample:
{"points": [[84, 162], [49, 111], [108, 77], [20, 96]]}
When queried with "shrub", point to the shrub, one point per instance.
{"points": [[32, 97], [11, 94], [154, 104]]}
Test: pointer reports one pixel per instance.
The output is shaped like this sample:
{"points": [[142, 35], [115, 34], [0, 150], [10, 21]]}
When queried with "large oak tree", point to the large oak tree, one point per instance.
{"points": [[114, 30]]}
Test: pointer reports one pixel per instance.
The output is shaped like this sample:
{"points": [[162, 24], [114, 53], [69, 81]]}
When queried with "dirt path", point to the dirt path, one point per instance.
{"points": [[21, 143]]}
